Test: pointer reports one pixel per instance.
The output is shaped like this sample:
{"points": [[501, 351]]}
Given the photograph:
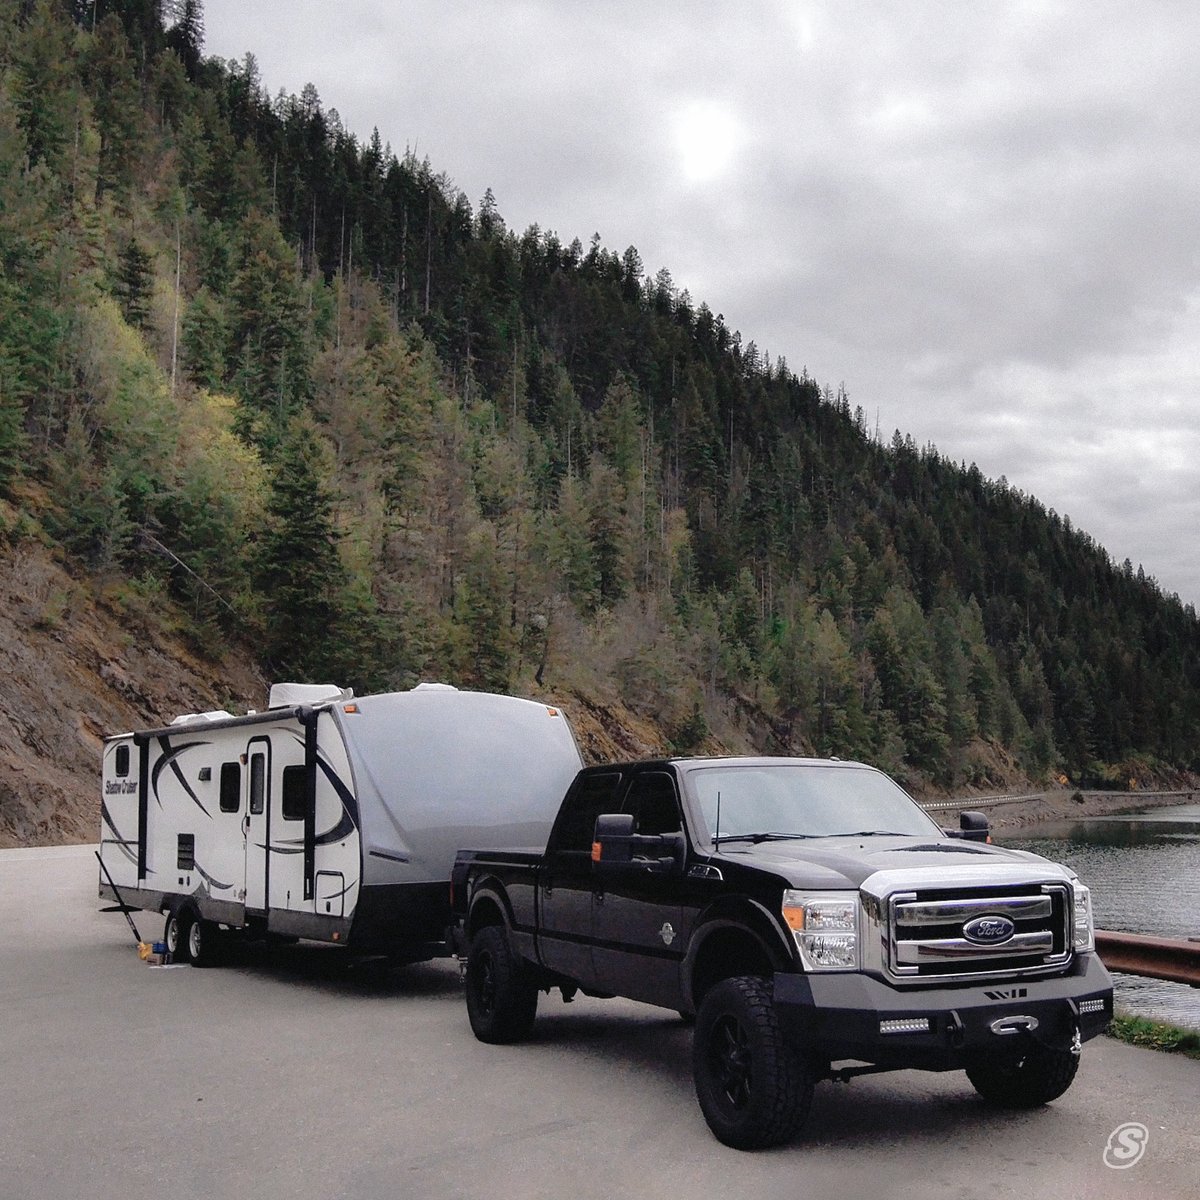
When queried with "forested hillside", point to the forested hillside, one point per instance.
{"points": [[294, 390]]}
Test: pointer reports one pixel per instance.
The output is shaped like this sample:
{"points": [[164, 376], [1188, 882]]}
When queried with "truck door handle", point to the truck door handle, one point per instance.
{"points": [[598, 895]]}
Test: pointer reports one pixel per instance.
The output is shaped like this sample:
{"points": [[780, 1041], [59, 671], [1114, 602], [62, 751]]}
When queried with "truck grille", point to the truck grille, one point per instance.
{"points": [[977, 932]]}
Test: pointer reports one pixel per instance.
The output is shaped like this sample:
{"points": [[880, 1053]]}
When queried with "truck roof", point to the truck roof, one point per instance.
{"points": [[726, 760]]}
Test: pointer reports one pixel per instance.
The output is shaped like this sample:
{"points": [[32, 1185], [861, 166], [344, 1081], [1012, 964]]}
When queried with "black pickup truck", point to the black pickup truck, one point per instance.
{"points": [[805, 914]]}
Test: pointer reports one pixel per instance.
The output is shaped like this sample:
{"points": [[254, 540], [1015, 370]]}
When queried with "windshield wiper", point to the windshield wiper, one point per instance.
{"points": [[758, 837], [866, 833]]}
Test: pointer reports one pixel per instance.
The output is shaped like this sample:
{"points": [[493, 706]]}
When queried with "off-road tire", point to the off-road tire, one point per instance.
{"points": [[754, 1086], [501, 998], [1040, 1074]]}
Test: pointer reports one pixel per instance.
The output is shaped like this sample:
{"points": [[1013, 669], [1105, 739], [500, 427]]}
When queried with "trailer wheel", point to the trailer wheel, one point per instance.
{"points": [[175, 936], [1039, 1075], [753, 1085], [501, 999], [203, 942]]}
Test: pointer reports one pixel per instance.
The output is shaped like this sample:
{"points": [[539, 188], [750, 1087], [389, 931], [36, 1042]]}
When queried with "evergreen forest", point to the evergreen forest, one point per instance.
{"points": [[293, 390]]}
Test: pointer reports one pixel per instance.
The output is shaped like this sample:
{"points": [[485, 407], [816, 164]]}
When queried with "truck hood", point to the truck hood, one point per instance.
{"points": [[839, 863]]}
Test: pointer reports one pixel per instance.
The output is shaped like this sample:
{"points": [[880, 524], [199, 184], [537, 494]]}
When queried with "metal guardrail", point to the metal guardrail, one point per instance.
{"points": [[1173, 959], [967, 802], [978, 802]]}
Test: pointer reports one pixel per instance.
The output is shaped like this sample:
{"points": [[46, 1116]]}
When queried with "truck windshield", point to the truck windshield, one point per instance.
{"points": [[805, 800]]}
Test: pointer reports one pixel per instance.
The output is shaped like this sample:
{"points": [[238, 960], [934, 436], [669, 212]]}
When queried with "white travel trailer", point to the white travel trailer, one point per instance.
{"points": [[325, 816]]}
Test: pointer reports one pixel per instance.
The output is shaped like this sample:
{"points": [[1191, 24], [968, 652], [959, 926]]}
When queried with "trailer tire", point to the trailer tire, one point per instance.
{"points": [[501, 998], [175, 935], [1039, 1075], [203, 942], [753, 1085]]}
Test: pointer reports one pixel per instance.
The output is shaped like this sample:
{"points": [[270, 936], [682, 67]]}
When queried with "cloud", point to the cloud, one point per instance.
{"points": [[978, 217]]}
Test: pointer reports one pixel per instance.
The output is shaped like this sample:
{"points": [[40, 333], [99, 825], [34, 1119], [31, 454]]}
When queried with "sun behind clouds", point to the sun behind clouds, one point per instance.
{"points": [[707, 138]]}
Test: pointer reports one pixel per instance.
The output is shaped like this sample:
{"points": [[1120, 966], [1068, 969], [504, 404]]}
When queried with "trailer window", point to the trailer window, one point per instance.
{"points": [[231, 787], [121, 762], [293, 793], [257, 783]]}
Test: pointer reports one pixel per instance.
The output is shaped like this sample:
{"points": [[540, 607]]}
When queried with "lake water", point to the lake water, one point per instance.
{"points": [[1144, 873]]}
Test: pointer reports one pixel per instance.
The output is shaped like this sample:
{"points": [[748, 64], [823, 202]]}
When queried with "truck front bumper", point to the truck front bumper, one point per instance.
{"points": [[940, 1028]]}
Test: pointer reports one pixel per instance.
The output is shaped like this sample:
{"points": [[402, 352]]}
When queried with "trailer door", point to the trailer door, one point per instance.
{"points": [[256, 826]]}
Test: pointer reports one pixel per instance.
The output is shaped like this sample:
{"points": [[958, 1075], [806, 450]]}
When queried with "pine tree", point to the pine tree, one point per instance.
{"points": [[134, 283], [836, 718], [204, 340], [271, 350], [186, 34], [113, 84], [571, 547], [13, 440], [300, 573], [608, 531], [45, 85]]}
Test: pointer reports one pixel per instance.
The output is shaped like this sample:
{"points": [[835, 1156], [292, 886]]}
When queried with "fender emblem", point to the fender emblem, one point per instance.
{"points": [[667, 933]]}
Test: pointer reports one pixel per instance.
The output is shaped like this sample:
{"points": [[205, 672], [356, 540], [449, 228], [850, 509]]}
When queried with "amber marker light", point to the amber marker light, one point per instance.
{"points": [[595, 852], [350, 708], [794, 918], [552, 711]]}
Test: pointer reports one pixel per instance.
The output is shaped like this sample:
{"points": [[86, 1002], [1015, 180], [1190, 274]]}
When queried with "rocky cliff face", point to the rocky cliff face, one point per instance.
{"points": [[76, 666], [78, 663]]}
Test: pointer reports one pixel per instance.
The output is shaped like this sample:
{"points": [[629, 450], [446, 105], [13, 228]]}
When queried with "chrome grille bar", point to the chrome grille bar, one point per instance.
{"points": [[955, 912], [944, 949]]}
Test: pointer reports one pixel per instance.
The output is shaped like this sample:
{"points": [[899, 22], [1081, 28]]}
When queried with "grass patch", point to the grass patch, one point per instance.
{"points": [[1156, 1035]]}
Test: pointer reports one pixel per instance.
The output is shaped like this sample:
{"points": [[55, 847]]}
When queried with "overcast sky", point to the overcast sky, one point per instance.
{"points": [[980, 217]]}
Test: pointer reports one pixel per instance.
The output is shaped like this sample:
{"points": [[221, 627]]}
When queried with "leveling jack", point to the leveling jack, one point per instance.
{"points": [[143, 948]]}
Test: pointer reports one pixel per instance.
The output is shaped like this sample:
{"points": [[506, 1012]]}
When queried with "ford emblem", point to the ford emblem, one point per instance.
{"points": [[989, 930]]}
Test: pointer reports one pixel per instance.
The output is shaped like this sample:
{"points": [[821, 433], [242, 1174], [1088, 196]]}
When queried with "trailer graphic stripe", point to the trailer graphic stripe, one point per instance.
{"points": [[336, 895], [169, 756], [117, 839], [344, 794], [343, 829], [212, 883]]}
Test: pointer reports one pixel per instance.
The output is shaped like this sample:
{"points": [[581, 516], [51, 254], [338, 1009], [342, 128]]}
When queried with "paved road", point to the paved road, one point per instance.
{"points": [[298, 1075]]}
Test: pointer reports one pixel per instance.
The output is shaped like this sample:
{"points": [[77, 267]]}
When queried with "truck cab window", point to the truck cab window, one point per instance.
{"points": [[576, 824], [652, 801]]}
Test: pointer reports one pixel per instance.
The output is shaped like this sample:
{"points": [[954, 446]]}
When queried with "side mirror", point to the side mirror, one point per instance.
{"points": [[973, 827], [612, 843], [616, 849]]}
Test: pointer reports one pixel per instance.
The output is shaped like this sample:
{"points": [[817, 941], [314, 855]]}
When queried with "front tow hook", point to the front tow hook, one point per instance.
{"points": [[1006, 1026]]}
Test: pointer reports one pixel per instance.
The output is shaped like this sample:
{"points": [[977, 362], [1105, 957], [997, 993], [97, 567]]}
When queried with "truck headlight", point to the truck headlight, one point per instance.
{"points": [[825, 926], [1084, 934]]}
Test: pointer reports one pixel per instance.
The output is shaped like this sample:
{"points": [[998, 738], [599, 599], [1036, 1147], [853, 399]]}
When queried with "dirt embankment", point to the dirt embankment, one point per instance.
{"points": [[74, 667]]}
